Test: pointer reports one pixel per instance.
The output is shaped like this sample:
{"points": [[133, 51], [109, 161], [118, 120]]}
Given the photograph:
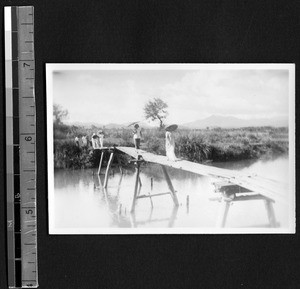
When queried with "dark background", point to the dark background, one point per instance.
{"points": [[145, 31]]}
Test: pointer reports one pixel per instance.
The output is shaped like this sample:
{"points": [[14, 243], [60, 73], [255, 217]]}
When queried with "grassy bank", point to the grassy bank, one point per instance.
{"points": [[193, 145]]}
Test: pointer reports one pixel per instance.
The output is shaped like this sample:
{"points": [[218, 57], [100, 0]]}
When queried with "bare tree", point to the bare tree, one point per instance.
{"points": [[156, 110], [59, 114]]}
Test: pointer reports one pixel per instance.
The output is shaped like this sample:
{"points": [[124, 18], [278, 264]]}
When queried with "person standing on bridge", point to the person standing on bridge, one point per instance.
{"points": [[95, 142], [101, 137], [137, 135], [170, 143]]}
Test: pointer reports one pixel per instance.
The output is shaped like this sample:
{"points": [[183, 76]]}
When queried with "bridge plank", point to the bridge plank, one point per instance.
{"points": [[272, 189]]}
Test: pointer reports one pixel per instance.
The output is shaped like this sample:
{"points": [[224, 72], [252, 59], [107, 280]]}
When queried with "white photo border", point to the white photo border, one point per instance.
{"points": [[51, 67]]}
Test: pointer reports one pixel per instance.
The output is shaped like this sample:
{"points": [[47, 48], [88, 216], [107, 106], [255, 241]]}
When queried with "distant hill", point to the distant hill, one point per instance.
{"points": [[234, 122], [212, 121], [109, 125], [84, 124]]}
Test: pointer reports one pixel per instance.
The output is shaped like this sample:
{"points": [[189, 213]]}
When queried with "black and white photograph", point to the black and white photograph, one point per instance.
{"points": [[171, 148]]}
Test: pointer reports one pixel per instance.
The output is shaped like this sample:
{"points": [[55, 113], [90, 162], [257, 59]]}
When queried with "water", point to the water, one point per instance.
{"points": [[81, 203]]}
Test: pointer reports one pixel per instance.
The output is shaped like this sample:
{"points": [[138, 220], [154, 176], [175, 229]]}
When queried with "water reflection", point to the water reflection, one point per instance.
{"points": [[150, 220], [81, 201]]}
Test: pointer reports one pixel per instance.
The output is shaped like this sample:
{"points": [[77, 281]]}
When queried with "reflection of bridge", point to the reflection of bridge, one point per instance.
{"points": [[115, 210], [233, 185]]}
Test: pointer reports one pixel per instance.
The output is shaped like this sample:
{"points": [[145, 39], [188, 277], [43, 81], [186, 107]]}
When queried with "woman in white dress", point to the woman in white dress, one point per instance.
{"points": [[170, 143]]}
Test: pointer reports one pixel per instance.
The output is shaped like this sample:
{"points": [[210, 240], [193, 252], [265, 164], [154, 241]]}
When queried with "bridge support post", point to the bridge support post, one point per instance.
{"points": [[108, 168], [136, 185], [232, 193], [271, 213], [120, 166], [173, 217], [100, 163], [170, 185], [225, 205]]}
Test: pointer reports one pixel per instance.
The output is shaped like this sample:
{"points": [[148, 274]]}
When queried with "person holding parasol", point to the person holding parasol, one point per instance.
{"points": [[170, 142], [137, 135]]}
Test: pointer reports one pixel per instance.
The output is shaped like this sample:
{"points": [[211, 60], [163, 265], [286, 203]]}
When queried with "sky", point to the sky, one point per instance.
{"points": [[119, 96]]}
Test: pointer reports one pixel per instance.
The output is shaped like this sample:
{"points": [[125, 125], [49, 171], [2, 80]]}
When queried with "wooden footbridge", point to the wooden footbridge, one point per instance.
{"points": [[233, 185]]}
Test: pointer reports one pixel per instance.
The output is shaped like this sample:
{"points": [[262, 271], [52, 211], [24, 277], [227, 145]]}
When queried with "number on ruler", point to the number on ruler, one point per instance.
{"points": [[28, 138], [25, 64], [29, 212], [10, 223]]}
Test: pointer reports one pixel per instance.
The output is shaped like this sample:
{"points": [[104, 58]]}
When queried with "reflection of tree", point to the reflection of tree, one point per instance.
{"points": [[72, 178]]}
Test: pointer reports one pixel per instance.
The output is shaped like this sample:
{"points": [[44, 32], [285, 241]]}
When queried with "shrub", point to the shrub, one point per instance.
{"points": [[155, 145], [194, 145], [192, 148]]}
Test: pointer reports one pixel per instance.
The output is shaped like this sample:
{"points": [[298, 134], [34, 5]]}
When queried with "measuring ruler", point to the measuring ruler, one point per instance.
{"points": [[20, 147]]}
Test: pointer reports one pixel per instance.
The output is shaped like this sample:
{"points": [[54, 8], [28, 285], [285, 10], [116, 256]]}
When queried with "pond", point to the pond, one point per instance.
{"points": [[81, 205]]}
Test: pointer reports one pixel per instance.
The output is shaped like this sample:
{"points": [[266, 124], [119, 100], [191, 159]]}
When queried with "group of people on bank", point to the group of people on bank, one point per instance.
{"points": [[97, 140]]}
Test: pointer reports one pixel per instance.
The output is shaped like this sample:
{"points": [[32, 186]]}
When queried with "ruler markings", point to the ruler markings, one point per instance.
{"points": [[19, 78]]}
